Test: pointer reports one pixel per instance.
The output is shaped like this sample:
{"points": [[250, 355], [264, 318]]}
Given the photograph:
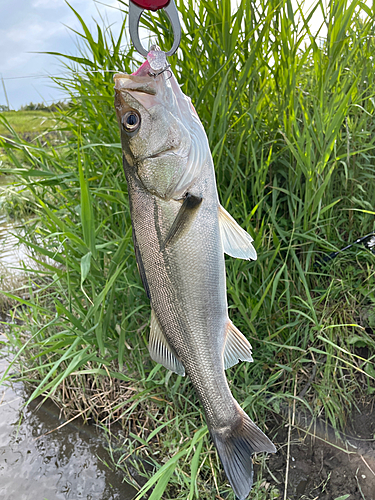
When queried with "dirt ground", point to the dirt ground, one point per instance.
{"points": [[324, 465]]}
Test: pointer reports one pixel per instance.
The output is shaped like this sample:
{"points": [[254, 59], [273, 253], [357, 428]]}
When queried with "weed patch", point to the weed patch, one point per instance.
{"points": [[291, 129]]}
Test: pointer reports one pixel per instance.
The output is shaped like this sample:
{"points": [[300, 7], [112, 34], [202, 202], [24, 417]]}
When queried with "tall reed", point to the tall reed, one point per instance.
{"points": [[290, 120]]}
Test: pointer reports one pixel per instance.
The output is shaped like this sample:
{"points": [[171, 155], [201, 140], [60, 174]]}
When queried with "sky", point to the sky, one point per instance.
{"points": [[30, 26]]}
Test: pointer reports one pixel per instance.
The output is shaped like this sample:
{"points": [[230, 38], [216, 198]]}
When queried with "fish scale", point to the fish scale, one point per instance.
{"points": [[181, 233]]}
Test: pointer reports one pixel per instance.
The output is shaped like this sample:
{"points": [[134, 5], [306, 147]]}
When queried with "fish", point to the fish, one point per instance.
{"points": [[181, 233]]}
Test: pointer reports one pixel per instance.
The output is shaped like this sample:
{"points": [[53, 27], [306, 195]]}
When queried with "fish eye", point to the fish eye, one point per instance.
{"points": [[131, 121]]}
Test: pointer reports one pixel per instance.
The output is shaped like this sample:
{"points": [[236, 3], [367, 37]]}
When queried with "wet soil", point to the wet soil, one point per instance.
{"points": [[324, 464]]}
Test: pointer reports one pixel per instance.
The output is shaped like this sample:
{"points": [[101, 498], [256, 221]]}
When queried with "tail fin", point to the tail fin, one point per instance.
{"points": [[235, 446]]}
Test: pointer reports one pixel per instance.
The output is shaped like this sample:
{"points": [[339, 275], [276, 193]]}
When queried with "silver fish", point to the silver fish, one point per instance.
{"points": [[180, 234]]}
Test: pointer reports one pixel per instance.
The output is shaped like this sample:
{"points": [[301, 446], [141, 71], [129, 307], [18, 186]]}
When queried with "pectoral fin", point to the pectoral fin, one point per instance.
{"points": [[236, 241], [184, 218], [160, 350], [237, 347]]}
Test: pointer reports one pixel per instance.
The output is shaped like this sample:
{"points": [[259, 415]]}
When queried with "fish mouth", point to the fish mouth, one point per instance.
{"points": [[143, 89], [129, 83]]}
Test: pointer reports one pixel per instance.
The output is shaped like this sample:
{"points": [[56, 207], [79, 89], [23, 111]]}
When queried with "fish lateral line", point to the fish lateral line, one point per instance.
{"points": [[183, 219]]}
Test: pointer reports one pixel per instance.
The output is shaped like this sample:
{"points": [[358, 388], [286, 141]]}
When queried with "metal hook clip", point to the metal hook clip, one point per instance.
{"points": [[136, 7], [162, 71]]}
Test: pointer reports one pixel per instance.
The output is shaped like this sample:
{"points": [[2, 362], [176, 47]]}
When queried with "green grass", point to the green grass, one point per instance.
{"points": [[291, 128], [29, 123]]}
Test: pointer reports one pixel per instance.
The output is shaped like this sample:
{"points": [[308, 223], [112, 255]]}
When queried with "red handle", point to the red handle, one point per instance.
{"points": [[151, 4]]}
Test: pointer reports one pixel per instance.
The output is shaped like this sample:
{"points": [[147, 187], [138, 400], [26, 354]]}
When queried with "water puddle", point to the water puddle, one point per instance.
{"points": [[38, 462], [13, 256]]}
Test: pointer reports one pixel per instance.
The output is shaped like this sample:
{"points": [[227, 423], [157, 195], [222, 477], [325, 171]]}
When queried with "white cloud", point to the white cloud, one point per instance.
{"points": [[19, 41], [33, 26], [32, 34], [47, 4]]}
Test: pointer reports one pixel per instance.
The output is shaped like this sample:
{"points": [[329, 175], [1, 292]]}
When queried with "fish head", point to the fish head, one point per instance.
{"points": [[158, 131]]}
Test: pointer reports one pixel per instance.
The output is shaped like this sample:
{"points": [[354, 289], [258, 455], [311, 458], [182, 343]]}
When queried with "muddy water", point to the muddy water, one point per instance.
{"points": [[38, 462]]}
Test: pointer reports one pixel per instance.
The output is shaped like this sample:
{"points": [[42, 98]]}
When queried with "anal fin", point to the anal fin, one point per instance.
{"points": [[237, 347], [160, 350], [236, 241]]}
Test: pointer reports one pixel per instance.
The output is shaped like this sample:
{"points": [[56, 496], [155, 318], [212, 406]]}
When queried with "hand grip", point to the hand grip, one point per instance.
{"points": [[151, 4]]}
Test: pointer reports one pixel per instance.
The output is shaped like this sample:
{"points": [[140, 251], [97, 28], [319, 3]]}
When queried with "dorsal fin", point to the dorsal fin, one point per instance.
{"points": [[236, 241], [160, 350], [237, 347]]}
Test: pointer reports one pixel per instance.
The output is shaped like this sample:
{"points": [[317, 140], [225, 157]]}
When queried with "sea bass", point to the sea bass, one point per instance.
{"points": [[180, 234]]}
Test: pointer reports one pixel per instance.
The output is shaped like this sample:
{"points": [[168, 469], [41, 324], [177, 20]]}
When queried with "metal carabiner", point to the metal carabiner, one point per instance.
{"points": [[136, 7]]}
